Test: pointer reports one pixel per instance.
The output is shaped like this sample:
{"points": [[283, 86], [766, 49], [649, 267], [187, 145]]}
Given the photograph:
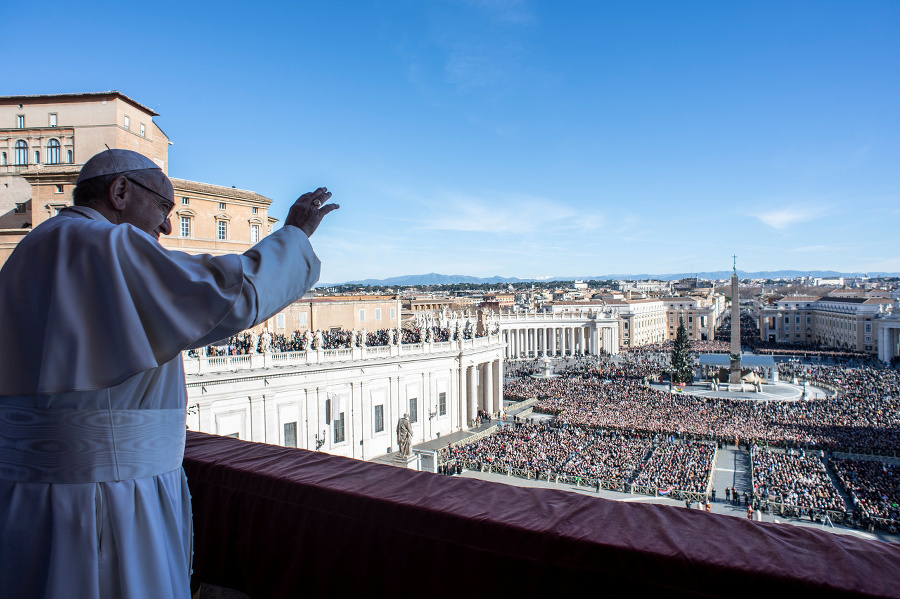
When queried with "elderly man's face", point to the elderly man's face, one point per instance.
{"points": [[151, 200]]}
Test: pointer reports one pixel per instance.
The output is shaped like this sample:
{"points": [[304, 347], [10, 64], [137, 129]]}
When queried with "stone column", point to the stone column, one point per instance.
{"points": [[497, 381], [463, 407], [473, 393], [487, 382]]}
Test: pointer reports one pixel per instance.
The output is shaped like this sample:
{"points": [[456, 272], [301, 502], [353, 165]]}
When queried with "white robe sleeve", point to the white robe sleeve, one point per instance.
{"points": [[276, 271], [88, 304]]}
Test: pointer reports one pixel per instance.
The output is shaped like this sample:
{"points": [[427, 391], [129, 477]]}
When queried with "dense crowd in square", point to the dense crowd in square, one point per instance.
{"points": [[795, 479], [610, 399], [685, 466], [874, 486]]}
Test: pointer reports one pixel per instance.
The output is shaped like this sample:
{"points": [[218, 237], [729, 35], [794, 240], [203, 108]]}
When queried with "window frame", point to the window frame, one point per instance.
{"points": [[186, 220], [378, 418], [337, 427], [21, 153], [54, 150], [289, 432]]}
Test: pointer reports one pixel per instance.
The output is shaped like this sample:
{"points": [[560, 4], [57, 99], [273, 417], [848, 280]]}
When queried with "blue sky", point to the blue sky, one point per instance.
{"points": [[516, 138]]}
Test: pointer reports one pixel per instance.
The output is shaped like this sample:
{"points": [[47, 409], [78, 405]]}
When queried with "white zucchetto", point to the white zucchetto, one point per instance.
{"points": [[111, 162]]}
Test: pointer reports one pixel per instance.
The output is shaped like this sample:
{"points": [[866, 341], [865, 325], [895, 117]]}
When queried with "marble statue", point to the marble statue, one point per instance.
{"points": [[404, 436]]}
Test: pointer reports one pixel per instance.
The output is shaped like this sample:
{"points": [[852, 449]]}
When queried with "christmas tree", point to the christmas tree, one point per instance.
{"points": [[682, 367]]}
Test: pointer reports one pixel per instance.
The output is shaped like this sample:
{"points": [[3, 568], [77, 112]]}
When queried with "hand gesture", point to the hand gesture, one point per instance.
{"points": [[309, 210]]}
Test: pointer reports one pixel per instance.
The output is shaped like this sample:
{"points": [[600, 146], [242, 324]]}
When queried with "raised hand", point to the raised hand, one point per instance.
{"points": [[309, 210]]}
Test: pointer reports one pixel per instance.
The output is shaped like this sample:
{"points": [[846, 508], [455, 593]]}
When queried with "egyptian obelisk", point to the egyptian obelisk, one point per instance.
{"points": [[735, 374]]}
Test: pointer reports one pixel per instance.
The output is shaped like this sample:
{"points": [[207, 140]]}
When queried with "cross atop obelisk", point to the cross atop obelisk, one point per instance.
{"points": [[735, 373]]}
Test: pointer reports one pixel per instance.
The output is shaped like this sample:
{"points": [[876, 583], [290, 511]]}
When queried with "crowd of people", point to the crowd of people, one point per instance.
{"points": [[806, 351], [863, 418], [251, 343], [591, 456], [796, 479], [596, 401], [874, 487], [685, 466]]}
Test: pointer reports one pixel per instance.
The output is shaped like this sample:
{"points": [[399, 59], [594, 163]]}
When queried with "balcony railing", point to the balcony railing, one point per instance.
{"points": [[276, 522], [213, 364]]}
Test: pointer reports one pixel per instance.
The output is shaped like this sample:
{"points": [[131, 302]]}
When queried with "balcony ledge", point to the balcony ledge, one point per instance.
{"points": [[279, 522]]}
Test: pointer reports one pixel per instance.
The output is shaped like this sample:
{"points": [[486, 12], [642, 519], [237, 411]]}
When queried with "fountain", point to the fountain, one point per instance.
{"points": [[546, 371]]}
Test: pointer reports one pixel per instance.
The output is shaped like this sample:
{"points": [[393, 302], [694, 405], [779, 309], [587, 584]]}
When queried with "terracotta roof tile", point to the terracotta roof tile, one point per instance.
{"points": [[183, 185]]}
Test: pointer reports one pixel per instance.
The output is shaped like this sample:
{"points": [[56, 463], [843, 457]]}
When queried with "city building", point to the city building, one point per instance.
{"points": [[838, 322], [46, 139], [700, 315], [347, 312], [642, 321]]}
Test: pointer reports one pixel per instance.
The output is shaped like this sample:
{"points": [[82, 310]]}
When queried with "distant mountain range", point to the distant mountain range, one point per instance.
{"points": [[439, 279]]}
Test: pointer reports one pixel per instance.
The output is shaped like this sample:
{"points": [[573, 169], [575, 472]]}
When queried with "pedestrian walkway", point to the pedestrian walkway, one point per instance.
{"points": [[848, 503], [732, 471]]}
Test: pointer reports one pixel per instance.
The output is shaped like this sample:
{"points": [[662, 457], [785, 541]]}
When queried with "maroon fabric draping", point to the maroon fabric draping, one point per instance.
{"points": [[279, 522]]}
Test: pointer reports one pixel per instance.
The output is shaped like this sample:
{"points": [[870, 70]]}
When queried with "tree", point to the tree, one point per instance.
{"points": [[682, 367]]}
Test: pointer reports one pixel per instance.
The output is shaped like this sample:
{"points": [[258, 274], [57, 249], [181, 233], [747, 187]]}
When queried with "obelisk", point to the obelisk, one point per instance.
{"points": [[735, 374]]}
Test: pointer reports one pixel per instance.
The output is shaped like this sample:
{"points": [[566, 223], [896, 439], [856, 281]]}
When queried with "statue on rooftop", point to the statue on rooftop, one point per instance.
{"points": [[404, 436]]}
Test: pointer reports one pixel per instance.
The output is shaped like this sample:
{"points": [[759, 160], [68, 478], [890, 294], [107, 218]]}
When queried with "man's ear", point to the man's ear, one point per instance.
{"points": [[116, 193]]}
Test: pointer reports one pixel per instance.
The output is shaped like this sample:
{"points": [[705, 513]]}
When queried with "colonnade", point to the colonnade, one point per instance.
{"points": [[555, 339], [481, 388], [888, 340]]}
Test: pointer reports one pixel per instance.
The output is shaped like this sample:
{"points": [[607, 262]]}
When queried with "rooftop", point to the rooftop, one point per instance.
{"points": [[218, 190], [76, 96]]}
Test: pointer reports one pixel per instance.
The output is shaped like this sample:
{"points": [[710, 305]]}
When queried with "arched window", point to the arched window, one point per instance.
{"points": [[21, 152], [53, 152], [2, 158], [70, 156]]}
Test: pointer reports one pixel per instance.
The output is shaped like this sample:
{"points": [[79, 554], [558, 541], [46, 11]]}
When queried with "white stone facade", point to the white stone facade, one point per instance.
{"points": [[347, 401]]}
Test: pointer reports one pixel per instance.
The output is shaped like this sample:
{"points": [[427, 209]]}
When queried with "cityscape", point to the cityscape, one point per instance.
{"points": [[676, 324]]}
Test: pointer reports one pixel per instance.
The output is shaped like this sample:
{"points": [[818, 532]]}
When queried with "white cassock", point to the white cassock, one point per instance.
{"points": [[93, 500]]}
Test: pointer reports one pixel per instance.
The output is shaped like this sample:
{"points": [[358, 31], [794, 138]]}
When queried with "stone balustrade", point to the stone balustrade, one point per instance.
{"points": [[214, 364]]}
